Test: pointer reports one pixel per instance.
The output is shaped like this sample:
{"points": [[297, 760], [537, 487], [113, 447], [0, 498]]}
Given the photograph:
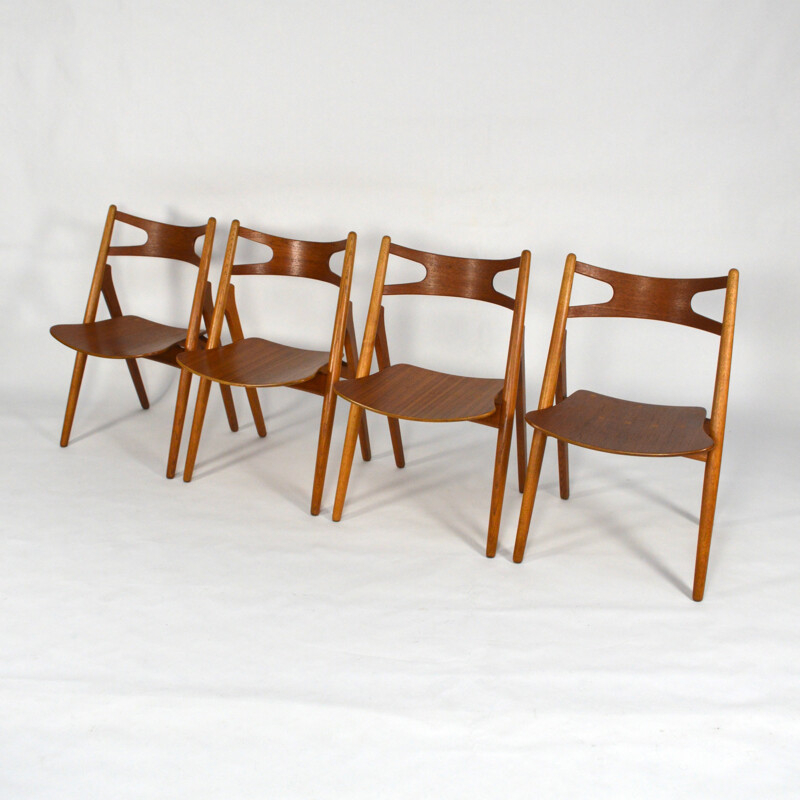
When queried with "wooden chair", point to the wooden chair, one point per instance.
{"points": [[637, 429], [403, 391], [255, 362], [130, 337]]}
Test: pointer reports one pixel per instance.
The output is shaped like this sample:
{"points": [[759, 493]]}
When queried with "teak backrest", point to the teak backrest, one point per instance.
{"points": [[450, 276], [665, 299], [164, 240], [292, 257]]}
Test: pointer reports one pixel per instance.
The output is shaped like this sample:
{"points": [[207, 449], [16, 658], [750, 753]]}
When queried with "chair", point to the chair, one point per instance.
{"points": [[404, 391], [255, 362], [130, 337], [611, 425]]}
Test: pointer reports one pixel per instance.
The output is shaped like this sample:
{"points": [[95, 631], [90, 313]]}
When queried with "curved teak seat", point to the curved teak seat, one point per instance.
{"points": [[255, 362], [120, 337], [619, 426], [414, 393], [130, 337], [405, 391]]}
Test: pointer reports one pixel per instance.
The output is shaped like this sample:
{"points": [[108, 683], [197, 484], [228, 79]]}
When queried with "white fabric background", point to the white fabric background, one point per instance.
{"points": [[212, 640]]}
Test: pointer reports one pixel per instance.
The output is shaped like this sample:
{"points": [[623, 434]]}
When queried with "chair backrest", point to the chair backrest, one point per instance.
{"points": [[449, 276], [666, 299], [164, 240], [292, 257]]}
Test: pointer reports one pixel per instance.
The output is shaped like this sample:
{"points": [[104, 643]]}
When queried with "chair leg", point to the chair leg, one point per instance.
{"points": [[197, 427], [230, 408], [563, 470], [522, 444], [351, 354], [323, 448], [138, 383], [72, 399], [529, 495], [563, 452], [499, 483], [709, 505], [353, 422], [182, 400], [382, 357], [255, 408]]}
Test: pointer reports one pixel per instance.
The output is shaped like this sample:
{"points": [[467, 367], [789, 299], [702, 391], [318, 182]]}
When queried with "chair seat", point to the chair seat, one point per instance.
{"points": [[120, 337], [621, 426], [256, 362], [414, 393]]}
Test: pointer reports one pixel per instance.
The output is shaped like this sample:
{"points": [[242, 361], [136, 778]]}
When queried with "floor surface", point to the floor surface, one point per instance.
{"points": [[212, 640]]}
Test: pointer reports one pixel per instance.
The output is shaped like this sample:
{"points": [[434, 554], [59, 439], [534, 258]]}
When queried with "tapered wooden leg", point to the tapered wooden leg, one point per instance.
{"points": [[230, 408], [225, 390], [237, 334], [351, 353], [563, 452], [397, 442], [255, 409], [197, 427], [382, 357], [522, 444], [499, 483], [72, 399], [529, 495], [323, 448], [353, 422], [709, 505], [138, 383], [184, 385], [114, 309], [563, 470]]}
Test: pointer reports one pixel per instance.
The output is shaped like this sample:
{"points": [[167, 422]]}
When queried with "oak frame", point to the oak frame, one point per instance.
{"points": [[393, 387], [131, 337], [254, 362], [642, 297]]}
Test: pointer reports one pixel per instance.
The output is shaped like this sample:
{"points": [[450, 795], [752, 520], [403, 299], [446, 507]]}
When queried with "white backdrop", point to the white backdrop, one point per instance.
{"points": [[657, 138]]}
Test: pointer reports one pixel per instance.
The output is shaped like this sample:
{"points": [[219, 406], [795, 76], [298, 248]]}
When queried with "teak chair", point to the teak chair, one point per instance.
{"points": [[403, 391], [130, 337], [255, 362], [637, 429]]}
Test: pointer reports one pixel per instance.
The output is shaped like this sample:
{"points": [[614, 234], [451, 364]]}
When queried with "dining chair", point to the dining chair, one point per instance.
{"points": [[128, 337], [405, 391], [611, 425], [254, 362]]}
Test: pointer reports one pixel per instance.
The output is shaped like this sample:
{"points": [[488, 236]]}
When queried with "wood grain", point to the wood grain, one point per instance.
{"points": [[599, 422], [256, 362], [666, 299], [450, 276], [405, 391]]}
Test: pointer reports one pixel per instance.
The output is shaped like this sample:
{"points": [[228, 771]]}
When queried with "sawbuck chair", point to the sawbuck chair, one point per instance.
{"points": [[129, 337], [619, 426], [254, 362], [404, 391]]}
